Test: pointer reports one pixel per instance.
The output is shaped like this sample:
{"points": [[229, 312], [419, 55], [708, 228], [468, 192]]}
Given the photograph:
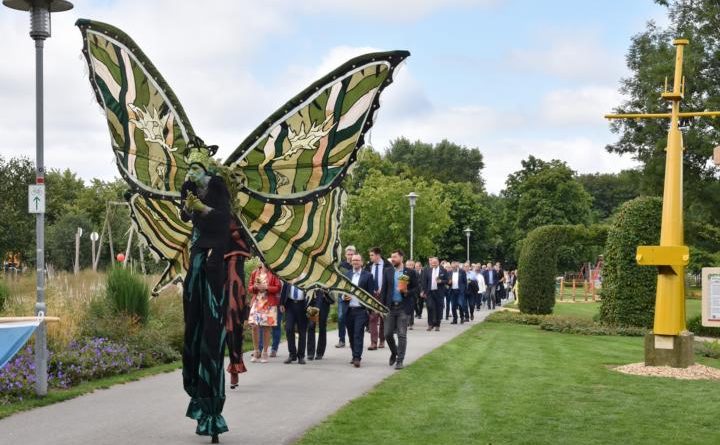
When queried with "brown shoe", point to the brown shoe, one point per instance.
{"points": [[437, 328], [372, 347], [273, 353], [356, 363], [382, 346], [430, 328]]}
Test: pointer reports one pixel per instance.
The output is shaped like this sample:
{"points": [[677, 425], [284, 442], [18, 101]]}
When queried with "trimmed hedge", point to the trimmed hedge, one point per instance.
{"points": [[537, 266], [695, 326], [628, 291], [565, 325]]}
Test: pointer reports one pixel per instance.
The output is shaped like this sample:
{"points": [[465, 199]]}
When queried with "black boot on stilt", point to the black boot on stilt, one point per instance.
{"points": [[215, 439]]}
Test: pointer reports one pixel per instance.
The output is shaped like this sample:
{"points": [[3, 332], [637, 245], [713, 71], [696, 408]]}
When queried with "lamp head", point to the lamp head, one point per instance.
{"points": [[412, 196], [39, 14]]}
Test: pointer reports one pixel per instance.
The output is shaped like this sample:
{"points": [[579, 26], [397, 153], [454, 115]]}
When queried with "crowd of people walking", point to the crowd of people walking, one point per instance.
{"points": [[447, 291]]}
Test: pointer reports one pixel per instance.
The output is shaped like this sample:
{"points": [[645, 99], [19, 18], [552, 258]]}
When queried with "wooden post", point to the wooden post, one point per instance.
{"points": [[129, 245], [562, 288], [142, 257], [78, 234], [574, 289]]}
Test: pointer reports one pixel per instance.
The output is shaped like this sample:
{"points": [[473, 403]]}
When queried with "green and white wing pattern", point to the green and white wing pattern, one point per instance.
{"points": [[292, 166], [148, 127], [168, 237]]}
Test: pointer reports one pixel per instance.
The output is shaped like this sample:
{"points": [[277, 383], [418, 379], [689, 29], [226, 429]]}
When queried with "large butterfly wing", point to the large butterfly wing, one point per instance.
{"points": [[148, 127], [149, 133], [166, 234], [291, 168]]}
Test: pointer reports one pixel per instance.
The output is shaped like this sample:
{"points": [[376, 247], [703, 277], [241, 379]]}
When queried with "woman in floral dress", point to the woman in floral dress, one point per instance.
{"points": [[265, 290]]}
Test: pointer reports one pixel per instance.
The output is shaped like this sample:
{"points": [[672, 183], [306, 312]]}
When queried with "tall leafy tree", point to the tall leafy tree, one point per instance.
{"points": [[17, 226], [544, 193], [466, 211], [379, 215], [651, 59], [445, 161], [610, 190]]}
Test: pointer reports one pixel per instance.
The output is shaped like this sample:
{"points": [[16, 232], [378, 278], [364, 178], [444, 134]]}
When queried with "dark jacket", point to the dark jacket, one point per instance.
{"points": [[285, 294], [370, 266], [213, 228], [497, 277], [389, 286], [366, 281], [462, 281], [442, 275]]}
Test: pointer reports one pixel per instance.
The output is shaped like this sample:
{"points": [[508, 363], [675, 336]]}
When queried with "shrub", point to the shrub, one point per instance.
{"points": [[4, 295], [128, 293], [695, 326], [628, 293], [537, 266], [514, 317], [567, 325], [708, 348]]}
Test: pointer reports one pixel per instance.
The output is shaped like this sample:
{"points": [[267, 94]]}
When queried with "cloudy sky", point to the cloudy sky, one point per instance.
{"points": [[511, 77]]}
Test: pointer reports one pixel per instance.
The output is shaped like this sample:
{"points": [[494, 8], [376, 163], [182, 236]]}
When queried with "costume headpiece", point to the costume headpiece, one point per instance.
{"points": [[199, 153]]}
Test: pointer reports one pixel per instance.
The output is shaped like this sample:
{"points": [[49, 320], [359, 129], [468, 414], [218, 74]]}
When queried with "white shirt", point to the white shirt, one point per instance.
{"points": [[296, 294], [435, 274], [455, 279], [354, 302], [379, 278]]}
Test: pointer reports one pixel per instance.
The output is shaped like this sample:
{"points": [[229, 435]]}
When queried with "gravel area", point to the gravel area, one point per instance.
{"points": [[694, 372]]}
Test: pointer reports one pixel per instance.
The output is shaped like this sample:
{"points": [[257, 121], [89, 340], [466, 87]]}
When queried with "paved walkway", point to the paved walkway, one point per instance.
{"points": [[274, 404]]}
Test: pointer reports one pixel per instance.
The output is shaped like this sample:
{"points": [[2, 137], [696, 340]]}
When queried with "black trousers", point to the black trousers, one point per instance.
{"points": [[419, 307], [356, 318], [435, 304], [322, 331], [396, 322], [296, 320]]}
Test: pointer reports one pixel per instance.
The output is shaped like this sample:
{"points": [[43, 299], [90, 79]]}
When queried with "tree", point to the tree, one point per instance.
{"points": [[651, 59], [610, 190], [63, 189], [60, 243], [17, 226], [466, 211], [543, 193], [445, 161], [379, 215]]}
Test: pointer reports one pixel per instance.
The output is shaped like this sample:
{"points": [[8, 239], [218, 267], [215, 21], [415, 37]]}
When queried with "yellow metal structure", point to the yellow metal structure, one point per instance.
{"points": [[671, 256]]}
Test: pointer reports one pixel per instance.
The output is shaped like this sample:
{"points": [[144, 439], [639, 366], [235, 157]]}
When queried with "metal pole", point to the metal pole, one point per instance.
{"points": [[41, 333], [468, 248], [412, 231]]}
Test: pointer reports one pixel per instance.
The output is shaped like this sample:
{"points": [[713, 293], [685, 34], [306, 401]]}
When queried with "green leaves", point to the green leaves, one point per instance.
{"points": [[628, 293]]}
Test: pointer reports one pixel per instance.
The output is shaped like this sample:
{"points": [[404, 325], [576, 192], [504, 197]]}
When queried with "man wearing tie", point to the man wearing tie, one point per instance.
{"points": [[434, 289], [356, 316], [292, 302], [458, 285], [491, 280], [376, 267], [400, 304]]}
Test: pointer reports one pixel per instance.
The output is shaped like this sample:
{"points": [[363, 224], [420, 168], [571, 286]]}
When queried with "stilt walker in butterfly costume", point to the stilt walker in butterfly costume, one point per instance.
{"points": [[283, 180]]}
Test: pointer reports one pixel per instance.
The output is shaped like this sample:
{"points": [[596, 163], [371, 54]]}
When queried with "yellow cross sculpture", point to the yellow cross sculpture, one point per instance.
{"points": [[672, 255]]}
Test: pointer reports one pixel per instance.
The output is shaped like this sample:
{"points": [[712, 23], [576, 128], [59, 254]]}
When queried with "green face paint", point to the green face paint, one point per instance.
{"points": [[196, 173]]}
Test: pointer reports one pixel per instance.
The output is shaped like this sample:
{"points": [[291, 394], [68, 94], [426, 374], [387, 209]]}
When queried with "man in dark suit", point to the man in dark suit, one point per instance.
{"points": [[293, 302], [345, 266], [456, 288], [420, 272], [356, 316], [492, 279], [376, 267], [414, 296], [400, 304], [316, 350], [435, 280]]}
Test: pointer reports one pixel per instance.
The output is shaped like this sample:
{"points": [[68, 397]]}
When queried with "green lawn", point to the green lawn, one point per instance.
{"points": [[588, 310], [503, 383]]}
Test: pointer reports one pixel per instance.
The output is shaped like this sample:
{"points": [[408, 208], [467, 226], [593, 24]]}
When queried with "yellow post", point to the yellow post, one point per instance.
{"points": [[671, 256]]}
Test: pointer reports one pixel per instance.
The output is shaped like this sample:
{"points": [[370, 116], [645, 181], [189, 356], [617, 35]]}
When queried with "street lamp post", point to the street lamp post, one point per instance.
{"points": [[468, 231], [39, 31], [412, 196]]}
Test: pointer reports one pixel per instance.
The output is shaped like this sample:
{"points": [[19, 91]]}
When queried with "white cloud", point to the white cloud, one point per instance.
{"points": [[581, 57], [395, 10], [584, 105]]}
